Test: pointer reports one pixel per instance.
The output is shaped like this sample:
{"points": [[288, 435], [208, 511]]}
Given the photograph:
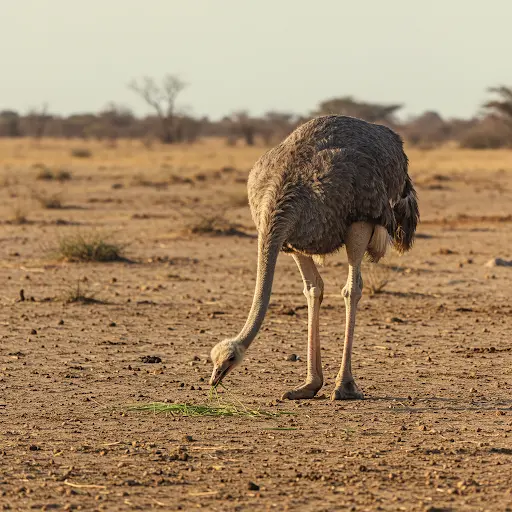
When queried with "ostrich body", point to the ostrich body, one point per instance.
{"points": [[335, 181]]}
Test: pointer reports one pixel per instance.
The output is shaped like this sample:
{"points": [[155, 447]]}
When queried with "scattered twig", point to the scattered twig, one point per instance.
{"points": [[84, 486]]}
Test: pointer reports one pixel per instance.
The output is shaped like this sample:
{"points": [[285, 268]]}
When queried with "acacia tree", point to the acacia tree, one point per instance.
{"points": [[348, 106], [276, 125], [162, 98], [36, 121], [243, 125], [502, 106]]}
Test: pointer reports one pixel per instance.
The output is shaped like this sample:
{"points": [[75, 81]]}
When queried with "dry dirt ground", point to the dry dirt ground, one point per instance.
{"points": [[433, 350]]}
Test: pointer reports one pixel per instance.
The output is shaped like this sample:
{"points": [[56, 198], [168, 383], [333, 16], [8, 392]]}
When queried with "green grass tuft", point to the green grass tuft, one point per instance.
{"points": [[198, 410], [218, 410]]}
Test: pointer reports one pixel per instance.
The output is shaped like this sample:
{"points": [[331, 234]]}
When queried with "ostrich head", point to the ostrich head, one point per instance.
{"points": [[225, 356]]}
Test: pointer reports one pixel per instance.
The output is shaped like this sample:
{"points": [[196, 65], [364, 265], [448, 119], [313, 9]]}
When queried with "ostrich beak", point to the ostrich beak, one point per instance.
{"points": [[217, 375]]}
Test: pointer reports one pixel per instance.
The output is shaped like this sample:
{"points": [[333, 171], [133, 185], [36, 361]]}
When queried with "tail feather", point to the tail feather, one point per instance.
{"points": [[378, 244], [407, 216]]}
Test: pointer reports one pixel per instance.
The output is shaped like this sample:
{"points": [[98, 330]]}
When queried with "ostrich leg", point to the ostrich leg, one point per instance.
{"points": [[356, 242], [313, 290]]}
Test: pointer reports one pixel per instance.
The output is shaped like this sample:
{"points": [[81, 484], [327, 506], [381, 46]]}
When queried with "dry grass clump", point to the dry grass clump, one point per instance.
{"points": [[63, 175], [92, 247], [77, 294], [19, 216], [46, 174], [139, 180], [81, 153], [376, 277], [52, 201], [238, 198], [176, 179], [213, 225]]}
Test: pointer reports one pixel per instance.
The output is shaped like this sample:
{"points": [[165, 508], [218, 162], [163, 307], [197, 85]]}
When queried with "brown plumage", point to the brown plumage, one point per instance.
{"points": [[334, 180], [329, 173]]}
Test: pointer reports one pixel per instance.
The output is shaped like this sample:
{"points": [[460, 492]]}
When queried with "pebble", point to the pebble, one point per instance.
{"points": [[498, 262], [253, 487], [151, 359], [292, 357]]}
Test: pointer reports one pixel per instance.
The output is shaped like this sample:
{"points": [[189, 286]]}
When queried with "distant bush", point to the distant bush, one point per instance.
{"points": [[480, 137], [52, 201], [490, 133], [63, 175], [426, 131], [81, 153], [45, 173]]}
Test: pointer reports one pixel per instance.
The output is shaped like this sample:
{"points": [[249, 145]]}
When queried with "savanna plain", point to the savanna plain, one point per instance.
{"points": [[82, 341]]}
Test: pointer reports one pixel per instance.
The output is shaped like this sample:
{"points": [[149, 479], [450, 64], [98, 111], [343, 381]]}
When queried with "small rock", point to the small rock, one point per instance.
{"points": [[180, 453], [151, 359], [253, 487], [33, 331], [188, 438], [394, 320], [34, 448], [61, 322], [112, 324], [131, 483], [498, 262], [292, 357]]}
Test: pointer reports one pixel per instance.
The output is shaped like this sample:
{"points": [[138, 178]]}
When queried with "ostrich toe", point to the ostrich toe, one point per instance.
{"points": [[347, 391]]}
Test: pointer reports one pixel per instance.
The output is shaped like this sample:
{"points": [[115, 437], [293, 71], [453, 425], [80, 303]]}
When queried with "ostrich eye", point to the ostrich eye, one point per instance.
{"points": [[231, 359]]}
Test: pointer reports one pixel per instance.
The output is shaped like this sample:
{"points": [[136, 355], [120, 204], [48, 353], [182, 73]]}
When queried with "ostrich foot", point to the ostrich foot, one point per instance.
{"points": [[308, 390], [347, 391]]}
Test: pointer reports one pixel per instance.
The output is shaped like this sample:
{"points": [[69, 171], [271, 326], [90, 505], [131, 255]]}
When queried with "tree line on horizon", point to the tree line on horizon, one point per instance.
{"points": [[169, 124]]}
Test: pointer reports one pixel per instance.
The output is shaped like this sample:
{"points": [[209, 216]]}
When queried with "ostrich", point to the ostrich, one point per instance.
{"points": [[335, 181]]}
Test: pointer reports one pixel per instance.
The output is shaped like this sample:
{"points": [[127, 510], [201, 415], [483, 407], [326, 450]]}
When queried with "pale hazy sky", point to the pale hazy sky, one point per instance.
{"points": [[77, 55]]}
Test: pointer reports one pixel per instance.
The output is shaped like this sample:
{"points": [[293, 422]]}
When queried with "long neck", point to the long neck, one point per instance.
{"points": [[267, 258]]}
